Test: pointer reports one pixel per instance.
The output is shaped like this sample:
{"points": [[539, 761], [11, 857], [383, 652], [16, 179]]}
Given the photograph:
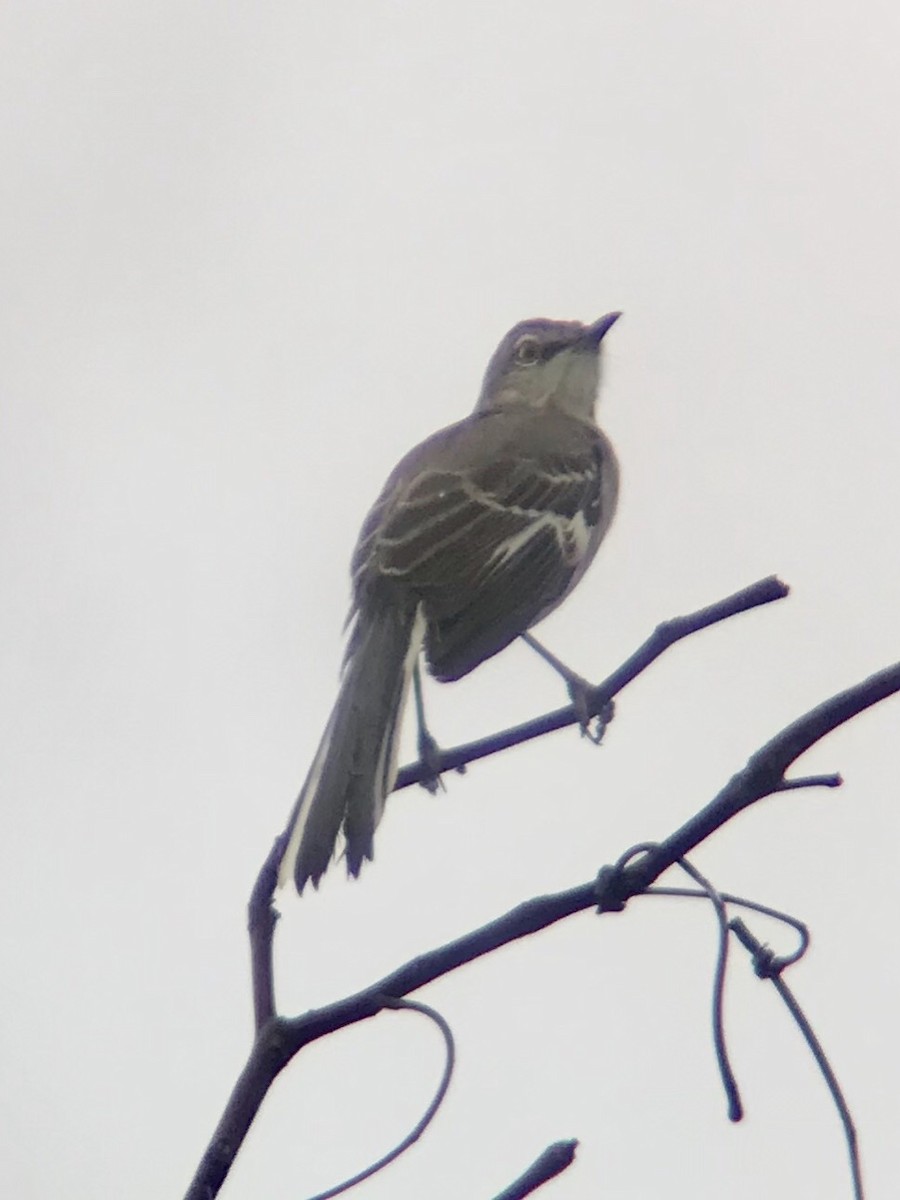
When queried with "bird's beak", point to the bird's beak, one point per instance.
{"points": [[594, 334]]}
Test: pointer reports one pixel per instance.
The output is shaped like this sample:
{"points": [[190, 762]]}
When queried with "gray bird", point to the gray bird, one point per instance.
{"points": [[479, 533]]}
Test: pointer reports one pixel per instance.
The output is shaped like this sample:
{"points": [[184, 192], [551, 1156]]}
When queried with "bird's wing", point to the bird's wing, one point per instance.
{"points": [[490, 545]]}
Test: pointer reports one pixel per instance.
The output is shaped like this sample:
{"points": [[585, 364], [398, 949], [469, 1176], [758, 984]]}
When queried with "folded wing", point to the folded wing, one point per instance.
{"points": [[490, 546]]}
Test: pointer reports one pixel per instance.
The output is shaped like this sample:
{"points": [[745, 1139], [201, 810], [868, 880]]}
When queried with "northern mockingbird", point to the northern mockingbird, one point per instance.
{"points": [[478, 534]]}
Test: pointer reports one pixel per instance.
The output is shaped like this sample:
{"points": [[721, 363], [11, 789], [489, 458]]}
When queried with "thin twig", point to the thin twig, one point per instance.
{"points": [[729, 1082], [780, 961], [665, 635], [425, 1120], [767, 967], [714, 896], [809, 781]]}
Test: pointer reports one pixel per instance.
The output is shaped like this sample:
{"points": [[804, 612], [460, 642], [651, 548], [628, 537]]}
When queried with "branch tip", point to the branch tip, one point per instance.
{"points": [[555, 1159]]}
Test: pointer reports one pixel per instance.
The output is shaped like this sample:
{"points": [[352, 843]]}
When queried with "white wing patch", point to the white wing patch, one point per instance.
{"points": [[577, 536], [572, 534], [567, 477]]}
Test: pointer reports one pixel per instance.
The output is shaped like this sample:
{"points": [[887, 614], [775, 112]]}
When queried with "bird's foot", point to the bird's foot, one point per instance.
{"points": [[591, 720], [582, 693]]}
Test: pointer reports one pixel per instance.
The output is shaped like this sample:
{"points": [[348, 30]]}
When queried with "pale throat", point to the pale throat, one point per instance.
{"points": [[568, 382]]}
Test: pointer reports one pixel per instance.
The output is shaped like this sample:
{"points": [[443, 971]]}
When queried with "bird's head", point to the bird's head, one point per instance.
{"points": [[543, 363]]}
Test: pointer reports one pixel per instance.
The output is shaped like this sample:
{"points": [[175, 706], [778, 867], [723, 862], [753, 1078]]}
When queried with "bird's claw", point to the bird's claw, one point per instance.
{"points": [[583, 697]]}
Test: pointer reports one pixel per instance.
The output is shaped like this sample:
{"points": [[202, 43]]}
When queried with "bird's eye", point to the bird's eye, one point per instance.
{"points": [[528, 351]]}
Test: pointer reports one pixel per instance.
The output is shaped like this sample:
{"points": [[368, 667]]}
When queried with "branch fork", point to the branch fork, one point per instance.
{"points": [[278, 1039]]}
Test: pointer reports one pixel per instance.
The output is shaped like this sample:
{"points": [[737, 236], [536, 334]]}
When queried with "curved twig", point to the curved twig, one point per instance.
{"points": [[769, 967], [729, 1082], [425, 1120], [781, 961]]}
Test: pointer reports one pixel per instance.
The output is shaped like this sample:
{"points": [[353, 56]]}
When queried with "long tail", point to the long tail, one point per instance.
{"points": [[356, 762]]}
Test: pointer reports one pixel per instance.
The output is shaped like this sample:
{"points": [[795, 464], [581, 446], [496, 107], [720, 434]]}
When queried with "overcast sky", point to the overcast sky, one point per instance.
{"points": [[250, 254]]}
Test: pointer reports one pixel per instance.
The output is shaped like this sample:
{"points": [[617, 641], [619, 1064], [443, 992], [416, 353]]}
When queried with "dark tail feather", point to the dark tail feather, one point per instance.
{"points": [[356, 762]]}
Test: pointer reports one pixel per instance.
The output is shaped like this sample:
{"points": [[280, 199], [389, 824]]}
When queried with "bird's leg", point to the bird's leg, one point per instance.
{"points": [[429, 750], [579, 689]]}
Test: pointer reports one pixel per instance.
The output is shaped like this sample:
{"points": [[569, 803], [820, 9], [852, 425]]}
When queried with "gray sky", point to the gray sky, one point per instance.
{"points": [[252, 253]]}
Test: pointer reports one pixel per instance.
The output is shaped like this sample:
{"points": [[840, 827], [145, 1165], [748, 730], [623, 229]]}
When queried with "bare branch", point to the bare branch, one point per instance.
{"points": [[261, 921], [279, 1039], [762, 776], [598, 698]]}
